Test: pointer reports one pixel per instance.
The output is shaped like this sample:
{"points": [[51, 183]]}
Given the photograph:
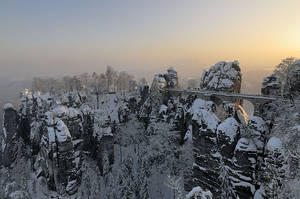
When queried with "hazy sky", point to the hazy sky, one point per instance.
{"points": [[58, 37]]}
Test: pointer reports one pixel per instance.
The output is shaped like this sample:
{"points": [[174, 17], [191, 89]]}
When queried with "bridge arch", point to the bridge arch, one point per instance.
{"points": [[249, 107], [257, 101]]}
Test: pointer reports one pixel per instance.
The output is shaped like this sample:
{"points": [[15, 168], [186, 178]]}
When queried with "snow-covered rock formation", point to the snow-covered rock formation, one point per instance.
{"points": [[226, 142], [57, 130], [9, 145], [149, 144], [271, 86], [223, 76]]}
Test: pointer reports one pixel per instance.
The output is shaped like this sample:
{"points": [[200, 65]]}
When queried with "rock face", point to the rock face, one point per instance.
{"points": [[10, 146], [209, 144], [57, 155], [225, 152], [150, 108], [171, 78], [226, 143], [271, 86], [223, 76]]}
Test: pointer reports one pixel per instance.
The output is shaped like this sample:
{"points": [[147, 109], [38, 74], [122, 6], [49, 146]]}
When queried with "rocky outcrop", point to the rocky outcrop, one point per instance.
{"points": [[205, 168], [244, 163], [226, 143], [104, 144], [10, 142], [57, 156], [221, 157], [171, 78], [271, 85], [223, 76], [58, 131]]}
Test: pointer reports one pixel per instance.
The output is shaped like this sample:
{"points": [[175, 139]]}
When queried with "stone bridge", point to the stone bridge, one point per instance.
{"points": [[218, 97]]}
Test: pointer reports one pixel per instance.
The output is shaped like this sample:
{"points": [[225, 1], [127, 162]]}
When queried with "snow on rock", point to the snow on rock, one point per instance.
{"points": [[201, 104], [72, 187], [229, 128], [60, 111], [245, 144], [258, 124], [271, 85], [260, 193], [169, 79], [9, 144], [86, 109], [206, 120], [223, 76], [62, 132], [297, 128], [163, 109], [73, 113], [244, 163], [257, 130], [188, 135], [8, 106], [273, 144], [158, 83], [198, 192]]}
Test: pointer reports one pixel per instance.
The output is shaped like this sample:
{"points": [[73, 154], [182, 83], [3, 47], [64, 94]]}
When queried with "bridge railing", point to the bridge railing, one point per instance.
{"points": [[221, 93]]}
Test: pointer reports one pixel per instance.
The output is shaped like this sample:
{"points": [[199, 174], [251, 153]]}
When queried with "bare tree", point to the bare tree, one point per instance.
{"points": [[76, 84], [98, 85], [84, 78], [123, 81], [110, 75], [142, 82]]}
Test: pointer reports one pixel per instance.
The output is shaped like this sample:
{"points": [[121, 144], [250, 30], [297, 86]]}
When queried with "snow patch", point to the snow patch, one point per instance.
{"points": [[207, 118], [62, 132], [258, 123], [197, 192], [8, 106], [245, 145], [163, 109], [201, 104], [229, 127], [273, 144], [297, 128]]}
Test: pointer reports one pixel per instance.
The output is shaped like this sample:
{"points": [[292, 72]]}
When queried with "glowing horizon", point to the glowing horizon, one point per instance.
{"points": [[142, 37]]}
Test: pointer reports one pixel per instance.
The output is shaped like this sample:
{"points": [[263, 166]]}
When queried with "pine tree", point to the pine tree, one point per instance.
{"points": [[227, 191], [273, 173]]}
